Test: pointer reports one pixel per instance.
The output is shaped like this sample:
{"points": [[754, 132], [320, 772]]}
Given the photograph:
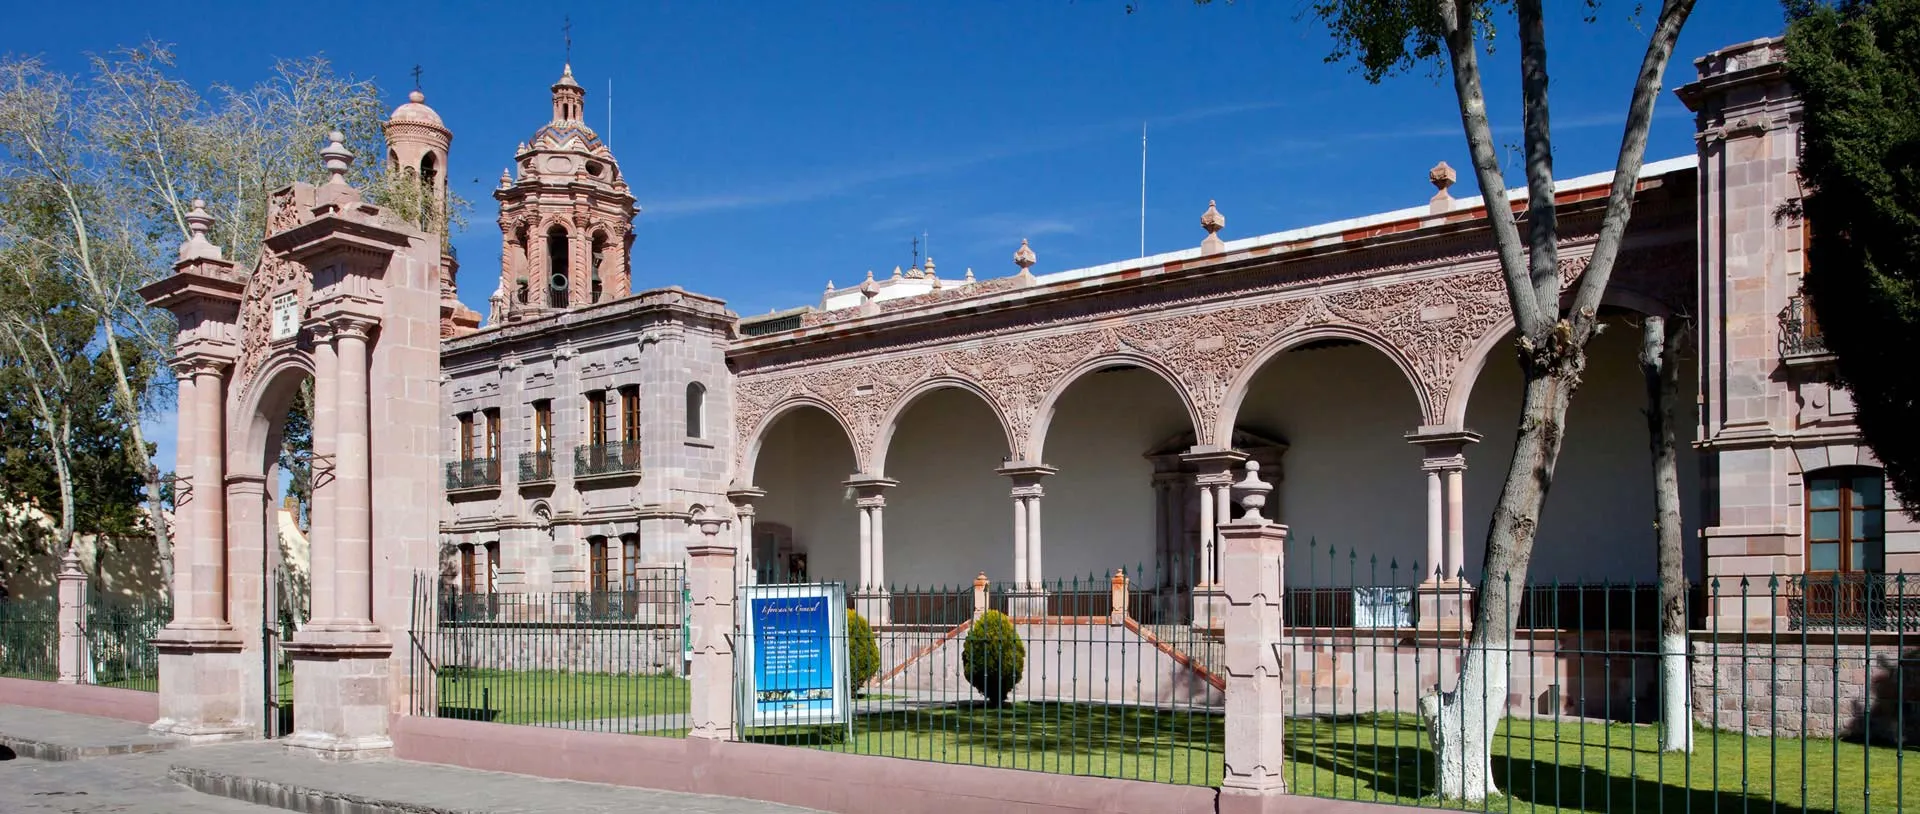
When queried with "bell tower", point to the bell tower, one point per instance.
{"points": [[417, 146], [566, 216]]}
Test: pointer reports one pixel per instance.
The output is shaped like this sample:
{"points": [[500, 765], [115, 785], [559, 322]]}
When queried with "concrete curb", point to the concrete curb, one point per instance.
{"points": [[303, 799]]}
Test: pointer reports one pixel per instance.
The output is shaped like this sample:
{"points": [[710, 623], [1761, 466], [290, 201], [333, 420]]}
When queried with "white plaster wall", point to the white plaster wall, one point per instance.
{"points": [[804, 458], [1598, 520], [1098, 513], [951, 517], [1351, 480]]}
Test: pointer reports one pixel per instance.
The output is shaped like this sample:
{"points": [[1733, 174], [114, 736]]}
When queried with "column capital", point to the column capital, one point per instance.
{"points": [[199, 362], [744, 496], [870, 486], [1442, 442], [1444, 463], [359, 326], [1211, 462], [1026, 473]]}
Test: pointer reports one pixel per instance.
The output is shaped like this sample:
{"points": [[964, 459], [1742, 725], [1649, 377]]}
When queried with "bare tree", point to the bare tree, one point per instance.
{"points": [[1385, 37], [1660, 347]]}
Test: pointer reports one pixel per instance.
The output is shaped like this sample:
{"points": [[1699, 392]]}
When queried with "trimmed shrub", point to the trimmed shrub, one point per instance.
{"points": [[993, 657], [863, 651]]}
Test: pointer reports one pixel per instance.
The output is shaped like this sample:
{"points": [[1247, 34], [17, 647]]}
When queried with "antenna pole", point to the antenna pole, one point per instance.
{"points": [[609, 112], [1143, 189]]}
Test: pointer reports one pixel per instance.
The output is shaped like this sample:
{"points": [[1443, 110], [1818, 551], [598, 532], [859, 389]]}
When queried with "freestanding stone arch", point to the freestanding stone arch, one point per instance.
{"points": [[349, 296]]}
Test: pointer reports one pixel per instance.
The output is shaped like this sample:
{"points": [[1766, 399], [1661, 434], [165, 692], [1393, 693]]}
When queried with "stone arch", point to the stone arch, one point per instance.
{"points": [[750, 446], [1236, 394], [254, 428], [1452, 410], [1035, 443], [883, 437]]}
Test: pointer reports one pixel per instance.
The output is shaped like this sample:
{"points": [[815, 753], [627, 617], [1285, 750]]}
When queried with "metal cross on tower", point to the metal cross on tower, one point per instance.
{"points": [[416, 76], [566, 31]]}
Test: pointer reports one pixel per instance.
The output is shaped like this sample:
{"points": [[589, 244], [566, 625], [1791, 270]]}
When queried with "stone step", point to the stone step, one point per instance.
{"points": [[47, 735], [1203, 647]]}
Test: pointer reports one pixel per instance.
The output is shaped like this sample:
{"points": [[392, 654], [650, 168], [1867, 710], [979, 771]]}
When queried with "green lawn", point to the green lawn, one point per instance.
{"points": [[547, 697], [1543, 766]]}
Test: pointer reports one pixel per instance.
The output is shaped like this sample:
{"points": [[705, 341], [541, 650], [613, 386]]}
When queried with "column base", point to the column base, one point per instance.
{"points": [[1027, 603], [1443, 606], [342, 683], [203, 682], [875, 607], [1209, 607], [1255, 801]]}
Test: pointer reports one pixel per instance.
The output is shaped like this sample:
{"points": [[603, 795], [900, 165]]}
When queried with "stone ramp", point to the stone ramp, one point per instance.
{"points": [[47, 735], [268, 774]]}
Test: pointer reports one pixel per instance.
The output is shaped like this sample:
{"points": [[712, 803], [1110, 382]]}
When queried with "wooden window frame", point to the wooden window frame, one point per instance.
{"points": [[629, 562], [598, 564], [1845, 507], [493, 564], [630, 414], [597, 418], [543, 426], [466, 436], [468, 568], [492, 416]]}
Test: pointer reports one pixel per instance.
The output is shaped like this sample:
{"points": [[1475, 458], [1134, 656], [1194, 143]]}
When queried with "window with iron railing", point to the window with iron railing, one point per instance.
{"points": [[473, 473], [606, 459], [1799, 333]]}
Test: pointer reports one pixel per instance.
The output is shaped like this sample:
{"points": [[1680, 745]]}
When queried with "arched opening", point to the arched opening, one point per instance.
{"points": [[598, 260], [696, 410], [429, 172], [271, 539], [557, 267], [807, 525], [1107, 506], [1349, 482], [951, 516], [1597, 523]]}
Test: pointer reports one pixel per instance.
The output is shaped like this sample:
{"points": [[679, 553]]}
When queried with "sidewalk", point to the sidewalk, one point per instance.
{"points": [[116, 766]]}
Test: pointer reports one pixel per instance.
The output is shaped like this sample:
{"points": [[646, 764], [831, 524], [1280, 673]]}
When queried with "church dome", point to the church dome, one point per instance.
{"points": [[416, 111]]}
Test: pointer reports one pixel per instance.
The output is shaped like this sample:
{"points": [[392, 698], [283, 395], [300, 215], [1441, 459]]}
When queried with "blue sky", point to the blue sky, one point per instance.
{"points": [[776, 146]]}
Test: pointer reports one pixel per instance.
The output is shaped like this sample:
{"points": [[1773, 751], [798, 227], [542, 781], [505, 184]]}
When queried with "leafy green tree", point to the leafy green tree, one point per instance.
{"points": [[863, 651], [1857, 68], [1386, 37], [993, 658]]}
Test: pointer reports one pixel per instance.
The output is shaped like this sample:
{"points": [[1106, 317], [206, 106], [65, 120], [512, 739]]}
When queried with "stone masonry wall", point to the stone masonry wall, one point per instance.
{"points": [[1812, 688]]}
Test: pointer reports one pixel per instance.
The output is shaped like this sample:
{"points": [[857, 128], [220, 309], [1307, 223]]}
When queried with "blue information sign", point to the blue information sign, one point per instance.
{"points": [[797, 651]]}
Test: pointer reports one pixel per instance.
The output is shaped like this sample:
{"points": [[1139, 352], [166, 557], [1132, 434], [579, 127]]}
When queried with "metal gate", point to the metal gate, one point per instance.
{"points": [[283, 610]]}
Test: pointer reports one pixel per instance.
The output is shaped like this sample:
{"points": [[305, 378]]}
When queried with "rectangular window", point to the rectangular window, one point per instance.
{"points": [[466, 436], [493, 434], [597, 566], [630, 561], [493, 565], [543, 426], [597, 418], [1846, 521], [630, 415], [469, 574]]}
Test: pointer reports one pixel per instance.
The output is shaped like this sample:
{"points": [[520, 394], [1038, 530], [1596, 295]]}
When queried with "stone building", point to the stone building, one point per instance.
{"points": [[908, 430]]}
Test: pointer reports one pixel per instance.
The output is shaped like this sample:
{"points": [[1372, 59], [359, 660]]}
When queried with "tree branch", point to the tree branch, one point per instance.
{"points": [[1543, 228]]}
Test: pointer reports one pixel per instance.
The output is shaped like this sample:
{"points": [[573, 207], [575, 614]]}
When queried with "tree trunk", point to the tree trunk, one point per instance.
{"points": [[142, 460], [1660, 364], [1461, 722]]}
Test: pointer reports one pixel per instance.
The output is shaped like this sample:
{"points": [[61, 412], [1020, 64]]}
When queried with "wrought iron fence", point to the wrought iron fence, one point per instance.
{"points": [[473, 473], [30, 638], [1793, 693], [1058, 676], [1799, 334], [536, 466], [120, 632], [597, 661], [611, 458]]}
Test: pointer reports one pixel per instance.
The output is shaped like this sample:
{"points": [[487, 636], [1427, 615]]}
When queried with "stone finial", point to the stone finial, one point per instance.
{"points": [[896, 272], [1253, 493], [869, 275], [969, 277], [506, 178], [930, 266], [829, 287], [197, 247], [1213, 222], [1024, 256], [336, 158], [1442, 177]]}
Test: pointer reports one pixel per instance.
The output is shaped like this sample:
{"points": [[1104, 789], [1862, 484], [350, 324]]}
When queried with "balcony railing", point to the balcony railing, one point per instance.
{"points": [[1855, 601], [536, 466], [606, 459], [1799, 334], [473, 473]]}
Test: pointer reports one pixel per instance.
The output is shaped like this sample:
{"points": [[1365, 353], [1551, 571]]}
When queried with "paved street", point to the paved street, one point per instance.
{"points": [[130, 783]]}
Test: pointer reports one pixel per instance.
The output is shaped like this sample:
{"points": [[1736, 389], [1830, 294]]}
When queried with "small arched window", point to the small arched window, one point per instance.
{"points": [[599, 256], [1846, 520], [557, 267], [696, 410]]}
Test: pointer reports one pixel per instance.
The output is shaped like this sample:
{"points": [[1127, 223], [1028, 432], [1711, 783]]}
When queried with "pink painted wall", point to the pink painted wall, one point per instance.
{"points": [[82, 699]]}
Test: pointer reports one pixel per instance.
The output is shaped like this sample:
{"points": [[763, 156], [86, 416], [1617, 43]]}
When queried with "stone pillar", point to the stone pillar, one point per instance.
{"points": [[980, 597], [1213, 469], [1253, 578], [1117, 603], [320, 552], [1442, 599], [872, 597], [72, 658], [1029, 597], [184, 450], [210, 521], [353, 497], [711, 623], [743, 512]]}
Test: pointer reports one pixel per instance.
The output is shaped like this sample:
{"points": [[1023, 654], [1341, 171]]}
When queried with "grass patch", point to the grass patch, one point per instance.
{"points": [[537, 697]]}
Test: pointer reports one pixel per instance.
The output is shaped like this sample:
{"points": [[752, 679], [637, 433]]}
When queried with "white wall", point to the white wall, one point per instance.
{"points": [[1098, 513], [1351, 480], [951, 517], [803, 461], [1598, 520]]}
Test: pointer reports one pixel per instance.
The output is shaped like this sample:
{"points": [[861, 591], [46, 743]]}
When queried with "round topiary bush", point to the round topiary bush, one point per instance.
{"points": [[863, 651], [993, 657]]}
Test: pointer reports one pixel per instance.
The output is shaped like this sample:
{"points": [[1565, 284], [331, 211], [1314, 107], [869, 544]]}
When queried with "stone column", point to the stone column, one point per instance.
{"points": [[184, 450], [743, 512], [353, 499], [72, 621], [980, 596], [710, 565], [1253, 578], [872, 597], [209, 472], [1442, 598], [1213, 469], [1117, 598], [1029, 598], [320, 552]]}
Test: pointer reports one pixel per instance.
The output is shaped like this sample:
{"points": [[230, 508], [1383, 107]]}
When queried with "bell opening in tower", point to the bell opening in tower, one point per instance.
{"points": [[557, 267]]}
